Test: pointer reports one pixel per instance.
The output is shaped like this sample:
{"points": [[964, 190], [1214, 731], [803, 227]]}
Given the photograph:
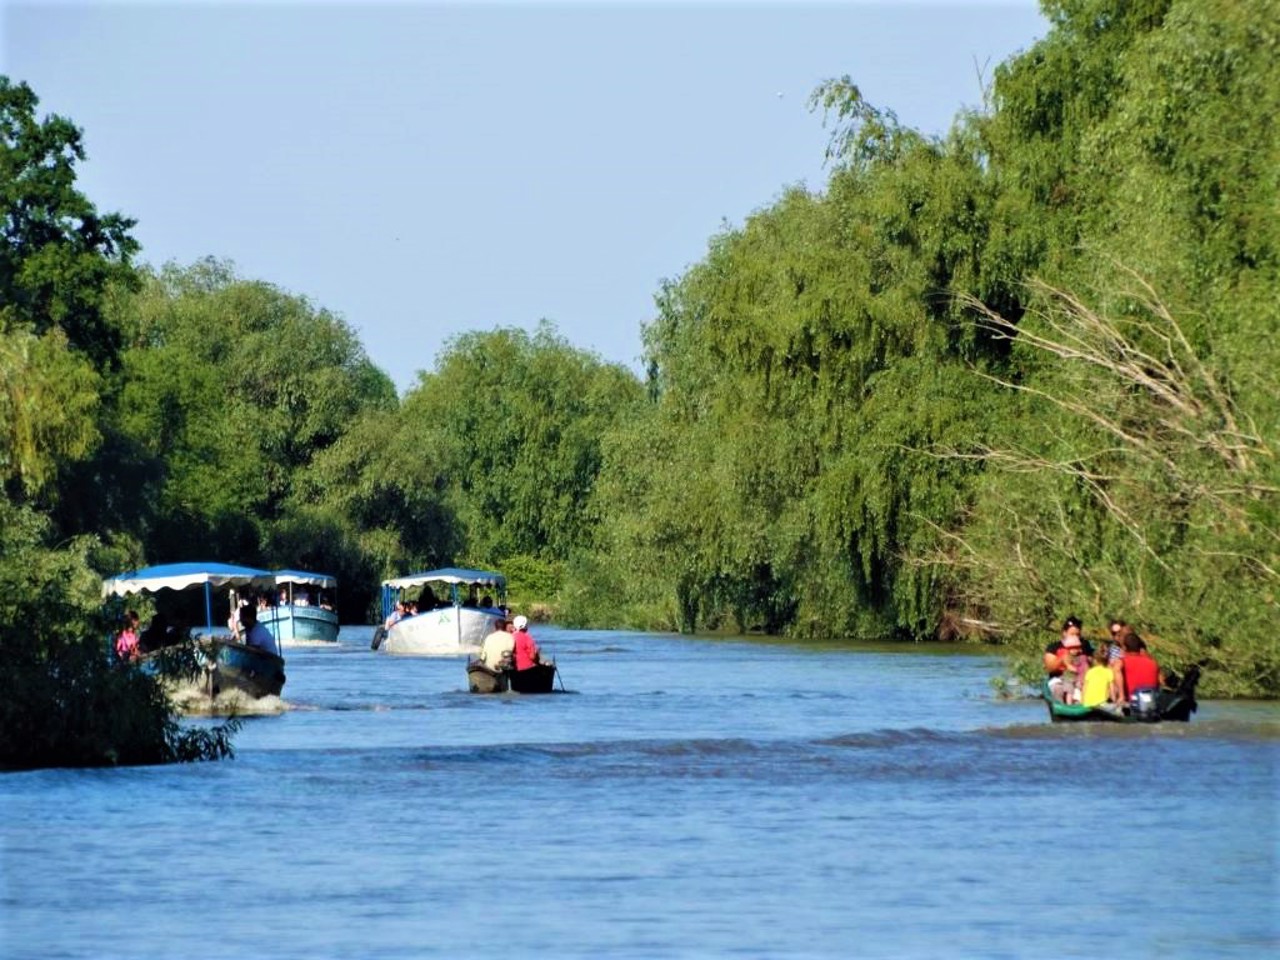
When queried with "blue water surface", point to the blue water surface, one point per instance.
{"points": [[685, 798]]}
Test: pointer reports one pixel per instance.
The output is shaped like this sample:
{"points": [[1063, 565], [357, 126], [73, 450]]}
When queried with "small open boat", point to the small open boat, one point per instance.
{"points": [[1175, 702], [540, 678]]}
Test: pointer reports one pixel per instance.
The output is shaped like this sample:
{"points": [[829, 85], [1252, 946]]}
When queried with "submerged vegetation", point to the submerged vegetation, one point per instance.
{"points": [[975, 383]]}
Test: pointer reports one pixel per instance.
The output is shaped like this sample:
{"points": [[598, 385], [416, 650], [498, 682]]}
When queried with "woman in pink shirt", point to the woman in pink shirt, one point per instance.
{"points": [[127, 639]]}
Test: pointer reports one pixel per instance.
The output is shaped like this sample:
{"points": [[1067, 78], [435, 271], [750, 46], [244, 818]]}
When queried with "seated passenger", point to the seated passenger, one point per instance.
{"points": [[255, 634], [1100, 688], [1141, 672], [156, 636], [527, 653], [127, 638], [395, 617], [496, 650], [1062, 661]]}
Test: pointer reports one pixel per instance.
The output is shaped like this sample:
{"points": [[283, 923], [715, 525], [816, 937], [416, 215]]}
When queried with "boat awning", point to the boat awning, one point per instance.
{"points": [[180, 576], [448, 575], [302, 576]]}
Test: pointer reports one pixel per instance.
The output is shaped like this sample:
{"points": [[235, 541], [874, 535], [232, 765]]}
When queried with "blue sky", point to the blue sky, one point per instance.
{"points": [[425, 169]]}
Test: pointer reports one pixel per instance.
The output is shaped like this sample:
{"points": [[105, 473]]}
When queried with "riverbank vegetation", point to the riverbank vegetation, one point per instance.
{"points": [[972, 384]]}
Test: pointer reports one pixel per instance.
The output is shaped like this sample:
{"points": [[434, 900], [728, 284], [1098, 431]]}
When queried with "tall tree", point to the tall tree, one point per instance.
{"points": [[58, 254]]}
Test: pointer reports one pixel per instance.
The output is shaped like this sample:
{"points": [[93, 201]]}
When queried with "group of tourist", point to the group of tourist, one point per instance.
{"points": [[510, 645], [1109, 678]]}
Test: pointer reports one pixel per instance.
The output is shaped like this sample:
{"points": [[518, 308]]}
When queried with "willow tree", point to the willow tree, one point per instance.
{"points": [[1136, 471], [794, 373]]}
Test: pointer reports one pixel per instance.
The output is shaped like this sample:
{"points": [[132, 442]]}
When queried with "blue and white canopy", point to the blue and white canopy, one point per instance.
{"points": [[450, 575], [181, 576], [322, 580]]}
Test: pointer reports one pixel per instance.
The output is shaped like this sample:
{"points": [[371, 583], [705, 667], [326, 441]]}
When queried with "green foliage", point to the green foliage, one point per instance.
{"points": [[984, 381], [64, 701], [1137, 466], [58, 255], [513, 424], [48, 406], [229, 390]]}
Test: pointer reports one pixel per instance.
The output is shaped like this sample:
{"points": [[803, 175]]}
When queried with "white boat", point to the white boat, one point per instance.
{"points": [[457, 609], [303, 611]]}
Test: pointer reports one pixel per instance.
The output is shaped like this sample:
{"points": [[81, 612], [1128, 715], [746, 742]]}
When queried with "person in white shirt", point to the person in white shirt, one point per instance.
{"points": [[495, 651], [255, 634]]}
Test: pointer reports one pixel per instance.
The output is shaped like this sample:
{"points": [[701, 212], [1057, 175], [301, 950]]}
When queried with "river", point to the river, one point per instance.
{"points": [[686, 798]]}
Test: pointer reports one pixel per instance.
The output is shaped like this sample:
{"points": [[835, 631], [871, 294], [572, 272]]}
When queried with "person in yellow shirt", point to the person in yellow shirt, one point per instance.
{"points": [[1100, 688]]}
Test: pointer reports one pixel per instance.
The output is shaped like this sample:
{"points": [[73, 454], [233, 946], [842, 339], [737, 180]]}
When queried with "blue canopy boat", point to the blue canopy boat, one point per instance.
{"points": [[228, 664], [299, 615], [453, 616]]}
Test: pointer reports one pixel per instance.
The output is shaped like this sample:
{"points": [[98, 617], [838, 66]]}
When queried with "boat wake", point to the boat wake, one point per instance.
{"points": [[192, 699]]}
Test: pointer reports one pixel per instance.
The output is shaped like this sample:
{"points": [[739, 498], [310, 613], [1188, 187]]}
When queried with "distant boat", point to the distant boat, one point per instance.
{"points": [[227, 664], [540, 678], [302, 616], [1174, 703], [457, 609]]}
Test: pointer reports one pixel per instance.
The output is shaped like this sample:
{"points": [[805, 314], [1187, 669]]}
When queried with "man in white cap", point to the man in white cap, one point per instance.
{"points": [[527, 654]]}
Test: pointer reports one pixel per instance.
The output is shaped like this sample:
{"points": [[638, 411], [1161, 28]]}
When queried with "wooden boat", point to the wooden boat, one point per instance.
{"points": [[539, 678], [299, 616], [451, 620], [1175, 702]]}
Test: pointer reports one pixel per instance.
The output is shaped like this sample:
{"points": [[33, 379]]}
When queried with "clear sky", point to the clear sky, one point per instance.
{"points": [[425, 169]]}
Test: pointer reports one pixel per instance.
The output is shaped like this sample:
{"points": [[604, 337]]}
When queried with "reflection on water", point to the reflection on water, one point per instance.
{"points": [[690, 799]]}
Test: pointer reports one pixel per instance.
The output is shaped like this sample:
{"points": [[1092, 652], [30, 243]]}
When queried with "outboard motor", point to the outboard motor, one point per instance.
{"points": [[1143, 704]]}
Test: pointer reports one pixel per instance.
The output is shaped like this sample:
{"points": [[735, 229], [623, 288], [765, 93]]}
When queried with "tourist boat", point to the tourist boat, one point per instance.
{"points": [[457, 609], [227, 664], [303, 608], [540, 678], [1175, 702]]}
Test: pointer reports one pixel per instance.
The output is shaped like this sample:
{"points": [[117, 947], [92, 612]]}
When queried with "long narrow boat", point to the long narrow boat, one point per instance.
{"points": [[540, 678], [228, 664], [453, 616], [1171, 703], [299, 615]]}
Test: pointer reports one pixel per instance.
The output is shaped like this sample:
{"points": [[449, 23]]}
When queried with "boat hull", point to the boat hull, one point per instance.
{"points": [[235, 666], [1174, 705], [300, 625], [539, 678], [443, 632], [480, 679]]}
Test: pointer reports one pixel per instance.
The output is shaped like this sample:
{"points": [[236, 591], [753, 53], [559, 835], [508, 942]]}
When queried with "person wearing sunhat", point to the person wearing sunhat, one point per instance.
{"points": [[526, 650]]}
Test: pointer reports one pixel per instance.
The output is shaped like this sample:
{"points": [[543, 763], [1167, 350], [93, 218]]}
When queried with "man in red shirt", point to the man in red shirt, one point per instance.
{"points": [[1140, 669]]}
